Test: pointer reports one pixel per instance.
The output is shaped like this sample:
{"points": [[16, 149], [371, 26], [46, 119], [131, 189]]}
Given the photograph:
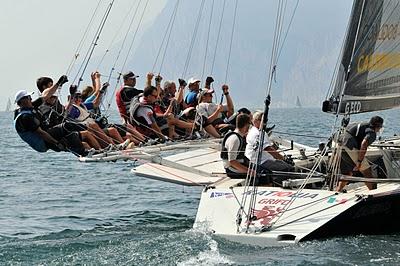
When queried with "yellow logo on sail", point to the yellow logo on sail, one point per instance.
{"points": [[378, 62]]}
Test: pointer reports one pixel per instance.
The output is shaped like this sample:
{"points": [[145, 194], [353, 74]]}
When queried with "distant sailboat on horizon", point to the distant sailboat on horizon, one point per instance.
{"points": [[298, 103], [8, 106]]}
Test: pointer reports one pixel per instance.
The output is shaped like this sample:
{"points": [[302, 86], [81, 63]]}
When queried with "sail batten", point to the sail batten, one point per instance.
{"points": [[369, 74]]}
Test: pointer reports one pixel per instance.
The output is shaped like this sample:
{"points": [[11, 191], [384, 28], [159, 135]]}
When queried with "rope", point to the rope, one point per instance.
{"points": [[300, 135]]}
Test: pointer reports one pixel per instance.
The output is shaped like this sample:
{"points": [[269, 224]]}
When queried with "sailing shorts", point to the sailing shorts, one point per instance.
{"points": [[353, 155]]}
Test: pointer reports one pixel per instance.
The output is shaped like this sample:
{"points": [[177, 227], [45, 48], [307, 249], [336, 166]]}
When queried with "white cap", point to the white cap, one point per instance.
{"points": [[21, 94], [193, 80]]}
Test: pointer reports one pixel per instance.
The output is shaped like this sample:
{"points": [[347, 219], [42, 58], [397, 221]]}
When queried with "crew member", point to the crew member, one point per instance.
{"points": [[233, 148], [357, 138]]}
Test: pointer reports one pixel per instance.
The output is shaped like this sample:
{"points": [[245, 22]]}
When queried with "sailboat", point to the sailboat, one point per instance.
{"points": [[8, 106], [298, 103], [306, 206]]}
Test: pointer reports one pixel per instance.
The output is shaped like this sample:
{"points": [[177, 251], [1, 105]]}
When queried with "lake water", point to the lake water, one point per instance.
{"points": [[55, 211]]}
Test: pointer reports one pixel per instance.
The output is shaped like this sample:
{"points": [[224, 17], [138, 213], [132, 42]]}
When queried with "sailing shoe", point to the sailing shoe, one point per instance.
{"points": [[91, 152], [123, 145]]}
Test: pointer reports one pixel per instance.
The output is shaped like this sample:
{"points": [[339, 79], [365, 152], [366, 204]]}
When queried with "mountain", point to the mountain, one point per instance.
{"points": [[305, 66]]}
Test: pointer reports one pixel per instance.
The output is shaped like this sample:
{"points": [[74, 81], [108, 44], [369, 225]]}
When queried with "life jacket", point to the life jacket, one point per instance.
{"points": [[32, 138], [84, 114], [124, 106], [51, 116], [241, 158], [140, 122]]}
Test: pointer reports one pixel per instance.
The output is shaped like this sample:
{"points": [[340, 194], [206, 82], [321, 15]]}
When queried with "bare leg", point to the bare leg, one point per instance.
{"points": [[90, 139], [104, 140], [136, 134], [114, 134], [368, 174], [86, 146], [210, 129]]}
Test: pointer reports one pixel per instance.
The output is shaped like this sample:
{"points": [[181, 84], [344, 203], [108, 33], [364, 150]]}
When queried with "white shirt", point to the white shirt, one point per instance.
{"points": [[146, 113], [232, 145], [252, 140], [207, 109]]}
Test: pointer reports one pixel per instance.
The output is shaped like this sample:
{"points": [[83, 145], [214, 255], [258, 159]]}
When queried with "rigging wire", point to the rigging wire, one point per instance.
{"points": [[231, 41], [208, 38], [192, 42], [129, 50], [90, 51], [83, 39], [169, 36], [119, 54], [134, 36], [218, 35], [167, 31], [116, 35]]}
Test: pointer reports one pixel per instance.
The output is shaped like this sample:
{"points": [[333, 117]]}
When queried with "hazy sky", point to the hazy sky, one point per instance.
{"points": [[39, 37]]}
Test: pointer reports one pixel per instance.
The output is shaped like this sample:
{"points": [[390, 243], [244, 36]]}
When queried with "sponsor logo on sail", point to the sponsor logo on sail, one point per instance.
{"points": [[352, 107]]}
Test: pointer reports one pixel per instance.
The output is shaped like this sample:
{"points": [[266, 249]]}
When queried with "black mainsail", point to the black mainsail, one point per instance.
{"points": [[368, 78]]}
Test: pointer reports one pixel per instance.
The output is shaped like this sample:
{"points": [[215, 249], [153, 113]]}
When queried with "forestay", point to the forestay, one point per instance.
{"points": [[368, 78]]}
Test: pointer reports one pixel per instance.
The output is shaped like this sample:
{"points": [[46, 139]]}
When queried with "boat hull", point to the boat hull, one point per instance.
{"points": [[314, 214]]}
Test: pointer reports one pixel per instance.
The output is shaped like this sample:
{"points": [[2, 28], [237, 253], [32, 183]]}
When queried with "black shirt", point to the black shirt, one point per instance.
{"points": [[29, 122], [357, 132], [51, 115], [128, 93]]}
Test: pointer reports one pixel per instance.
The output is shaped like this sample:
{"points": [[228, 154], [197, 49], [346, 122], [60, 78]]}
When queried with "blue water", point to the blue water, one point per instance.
{"points": [[56, 211]]}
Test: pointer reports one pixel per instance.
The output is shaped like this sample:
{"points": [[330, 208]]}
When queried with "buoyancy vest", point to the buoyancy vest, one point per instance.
{"points": [[241, 158], [51, 116], [133, 109], [32, 138], [124, 106], [84, 114]]}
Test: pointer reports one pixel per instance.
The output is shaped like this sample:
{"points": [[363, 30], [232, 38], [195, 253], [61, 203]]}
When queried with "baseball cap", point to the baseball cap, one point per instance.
{"points": [[203, 92], [21, 94], [129, 74], [193, 80]]}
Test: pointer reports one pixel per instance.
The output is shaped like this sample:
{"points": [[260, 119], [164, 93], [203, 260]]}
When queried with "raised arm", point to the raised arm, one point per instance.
{"points": [[181, 89], [47, 93], [229, 102]]}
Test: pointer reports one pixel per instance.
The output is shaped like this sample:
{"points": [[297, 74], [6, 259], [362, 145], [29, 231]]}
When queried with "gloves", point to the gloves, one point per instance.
{"points": [[73, 89], [158, 78], [104, 87], [182, 82], [209, 80], [62, 80]]}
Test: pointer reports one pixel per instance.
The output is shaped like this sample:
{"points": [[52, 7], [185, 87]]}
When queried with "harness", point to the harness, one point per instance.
{"points": [[32, 138], [241, 158]]}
